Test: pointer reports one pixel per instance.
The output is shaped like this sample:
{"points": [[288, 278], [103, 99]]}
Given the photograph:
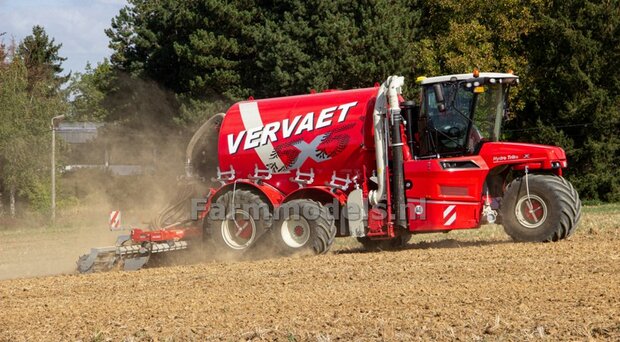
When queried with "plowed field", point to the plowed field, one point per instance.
{"points": [[466, 285]]}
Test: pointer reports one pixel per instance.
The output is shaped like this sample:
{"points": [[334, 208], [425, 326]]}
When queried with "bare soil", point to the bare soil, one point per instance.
{"points": [[467, 287]]}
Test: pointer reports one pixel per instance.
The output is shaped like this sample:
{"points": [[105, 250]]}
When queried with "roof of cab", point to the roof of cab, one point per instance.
{"points": [[460, 77]]}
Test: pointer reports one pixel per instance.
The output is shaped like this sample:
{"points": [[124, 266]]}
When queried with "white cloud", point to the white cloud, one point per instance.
{"points": [[78, 25]]}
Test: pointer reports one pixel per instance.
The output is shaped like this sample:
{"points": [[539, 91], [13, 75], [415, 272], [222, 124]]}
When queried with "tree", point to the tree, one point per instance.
{"points": [[4, 53], [88, 91], [188, 47], [25, 111], [41, 58], [210, 52], [572, 94], [567, 55], [457, 36], [304, 45], [223, 52]]}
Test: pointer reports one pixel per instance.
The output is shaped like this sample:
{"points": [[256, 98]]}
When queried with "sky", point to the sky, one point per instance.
{"points": [[77, 24]]}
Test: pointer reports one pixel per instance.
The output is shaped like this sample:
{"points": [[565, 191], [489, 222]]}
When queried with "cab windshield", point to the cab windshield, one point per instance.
{"points": [[472, 114]]}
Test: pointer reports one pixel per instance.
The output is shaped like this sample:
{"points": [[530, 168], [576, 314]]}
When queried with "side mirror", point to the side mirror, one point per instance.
{"points": [[441, 102]]}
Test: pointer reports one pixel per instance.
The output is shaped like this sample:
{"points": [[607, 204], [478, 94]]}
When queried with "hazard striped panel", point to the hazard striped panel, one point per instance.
{"points": [[115, 220], [449, 215]]}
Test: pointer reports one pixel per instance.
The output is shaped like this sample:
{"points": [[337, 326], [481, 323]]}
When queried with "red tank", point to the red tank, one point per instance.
{"points": [[310, 138]]}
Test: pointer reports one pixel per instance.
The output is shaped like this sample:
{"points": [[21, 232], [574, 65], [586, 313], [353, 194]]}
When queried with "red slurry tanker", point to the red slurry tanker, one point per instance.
{"points": [[292, 173]]}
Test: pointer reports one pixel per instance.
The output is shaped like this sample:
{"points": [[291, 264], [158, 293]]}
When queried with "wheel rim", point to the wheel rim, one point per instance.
{"points": [[295, 231], [238, 232], [531, 212]]}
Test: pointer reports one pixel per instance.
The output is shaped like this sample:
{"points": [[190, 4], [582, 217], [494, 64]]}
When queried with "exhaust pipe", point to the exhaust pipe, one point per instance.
{"points": [[388, 92]]}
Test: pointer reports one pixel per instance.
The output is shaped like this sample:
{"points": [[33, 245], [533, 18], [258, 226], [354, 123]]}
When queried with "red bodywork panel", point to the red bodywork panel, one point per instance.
{"points": [[535, 156], [139, 235], [450, 198], [317, 133], [448, 191]]}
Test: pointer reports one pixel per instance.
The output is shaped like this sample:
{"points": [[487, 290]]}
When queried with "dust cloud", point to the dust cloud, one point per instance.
{"points": [[135, 166]]}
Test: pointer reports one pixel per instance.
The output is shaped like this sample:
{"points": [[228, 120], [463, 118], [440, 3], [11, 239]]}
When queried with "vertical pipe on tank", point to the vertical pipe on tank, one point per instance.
{"points": [[398, 179], [389, 91], [378, 117]]}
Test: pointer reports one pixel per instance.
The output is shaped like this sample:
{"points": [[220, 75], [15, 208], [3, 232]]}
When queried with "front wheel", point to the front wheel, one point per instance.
{"points": [[549, 211]]}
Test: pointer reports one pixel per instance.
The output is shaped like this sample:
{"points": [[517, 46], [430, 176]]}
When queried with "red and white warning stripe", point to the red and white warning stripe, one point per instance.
{"points": [[115, 220], [449, 215]]}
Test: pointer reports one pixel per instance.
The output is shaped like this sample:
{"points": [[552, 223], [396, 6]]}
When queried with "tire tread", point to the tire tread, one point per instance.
{"points": [[323, 226], [568, 202]]}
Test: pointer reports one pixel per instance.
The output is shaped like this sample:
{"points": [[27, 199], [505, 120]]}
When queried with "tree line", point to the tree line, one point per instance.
{"points": [[175, 63], [210, 53], [30, 95]]}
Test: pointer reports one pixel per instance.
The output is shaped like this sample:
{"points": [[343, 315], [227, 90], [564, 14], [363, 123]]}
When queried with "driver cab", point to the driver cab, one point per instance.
{"points": [[460, 112], [457, 114]]}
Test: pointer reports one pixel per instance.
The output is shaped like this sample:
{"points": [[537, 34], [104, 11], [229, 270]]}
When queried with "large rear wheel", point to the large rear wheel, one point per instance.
{"points": [[246, 218], [303, 225], [543, 208]]}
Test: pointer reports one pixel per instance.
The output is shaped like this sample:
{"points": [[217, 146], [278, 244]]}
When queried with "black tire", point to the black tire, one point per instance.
{"points": [[226, 239], [303, 225], [551, 213], [384, 245]]}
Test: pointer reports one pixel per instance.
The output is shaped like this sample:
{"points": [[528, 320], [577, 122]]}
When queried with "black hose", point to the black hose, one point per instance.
{"points": [[398, 177], [176, 212]]}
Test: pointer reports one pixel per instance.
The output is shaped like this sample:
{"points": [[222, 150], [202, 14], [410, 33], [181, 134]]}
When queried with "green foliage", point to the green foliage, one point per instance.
{"points": [[460, 35], [195, 112], [26, 108], [209, 53], [24, 133], [89, 90], [211, 49], [567, 55], [573, 82], [303, 45], [42, 59], [190, 47]]}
